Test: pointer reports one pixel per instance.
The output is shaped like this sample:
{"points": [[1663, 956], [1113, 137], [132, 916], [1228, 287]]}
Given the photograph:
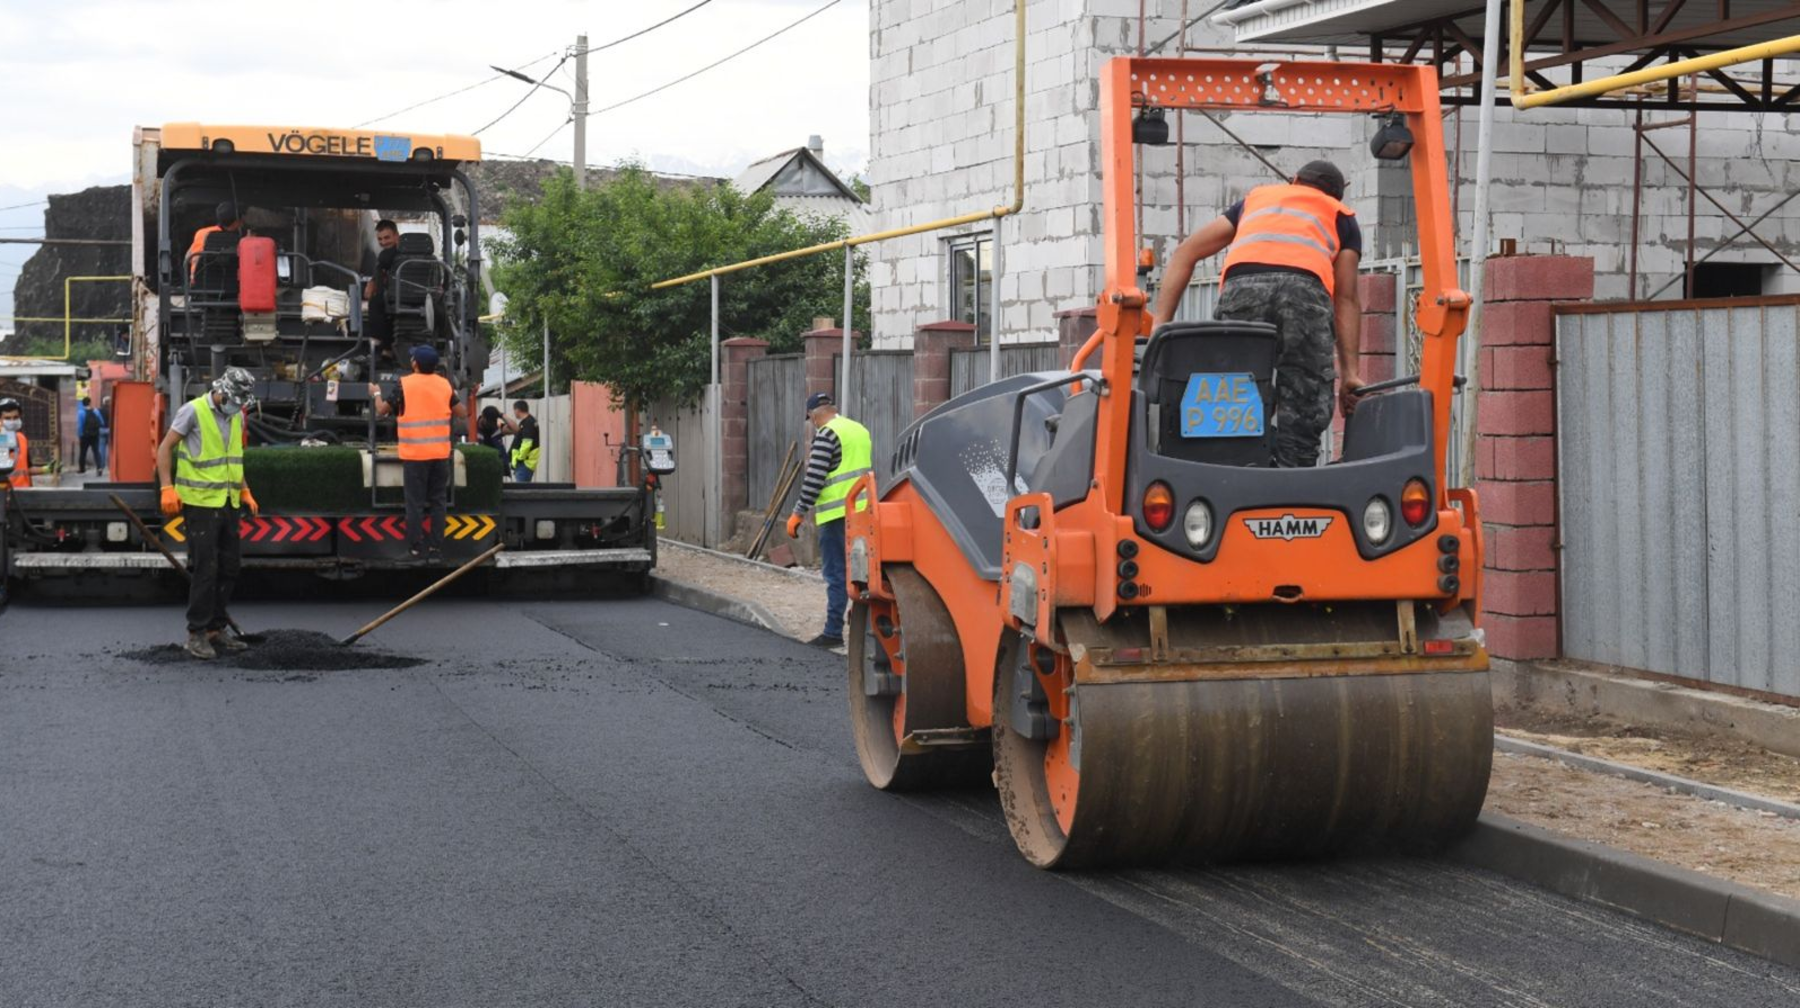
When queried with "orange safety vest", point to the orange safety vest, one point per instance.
{"points": [[198, 247], [1288, 225], [425, 417], [21, 474]]}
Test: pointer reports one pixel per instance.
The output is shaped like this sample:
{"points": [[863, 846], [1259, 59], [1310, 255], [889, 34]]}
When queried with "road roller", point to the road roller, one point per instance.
{"points": [[1093, 587]]}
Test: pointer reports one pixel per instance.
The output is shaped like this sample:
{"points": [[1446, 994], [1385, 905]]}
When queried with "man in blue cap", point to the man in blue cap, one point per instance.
{"points": [[426, 404], [841, 451]]}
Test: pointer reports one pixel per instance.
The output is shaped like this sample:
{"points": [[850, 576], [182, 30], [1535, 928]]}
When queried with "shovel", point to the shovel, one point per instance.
{"points": [[154, 540], [416, 599]]}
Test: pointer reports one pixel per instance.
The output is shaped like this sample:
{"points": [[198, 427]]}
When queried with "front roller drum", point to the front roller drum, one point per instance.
{"points": [[1222, 769], [908, 710]]}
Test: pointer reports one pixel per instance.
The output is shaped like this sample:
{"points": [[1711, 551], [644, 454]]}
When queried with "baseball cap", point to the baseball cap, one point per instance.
{"points": [[426, 357], [816, 400], [1323, 176]]}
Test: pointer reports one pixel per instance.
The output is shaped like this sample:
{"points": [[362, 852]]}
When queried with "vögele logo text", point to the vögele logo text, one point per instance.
{"points": [[1289, 527]]}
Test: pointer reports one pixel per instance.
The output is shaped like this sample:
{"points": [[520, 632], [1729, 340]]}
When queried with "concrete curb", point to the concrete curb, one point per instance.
{"points": [[808, 575], [1737, 916], [708, 601], [1569, 689], [1669, 782]]}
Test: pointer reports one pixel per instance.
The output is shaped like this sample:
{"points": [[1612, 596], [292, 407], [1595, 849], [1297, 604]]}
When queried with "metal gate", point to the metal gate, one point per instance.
{"points": [[1678, 482]]}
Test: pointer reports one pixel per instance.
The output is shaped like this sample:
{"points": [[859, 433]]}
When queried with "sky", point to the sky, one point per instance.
{"points": [[79, 74]]}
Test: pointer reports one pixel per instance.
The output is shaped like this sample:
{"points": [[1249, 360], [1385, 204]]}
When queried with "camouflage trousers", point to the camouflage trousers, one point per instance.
{"points": [[1305, 364]]}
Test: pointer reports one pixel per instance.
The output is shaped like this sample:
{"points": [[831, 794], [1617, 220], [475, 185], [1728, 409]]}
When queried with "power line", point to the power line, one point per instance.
{"points": [[515, 105], [827, 6], [646, 31], [565, 124], [21, 206], [450, 94]]}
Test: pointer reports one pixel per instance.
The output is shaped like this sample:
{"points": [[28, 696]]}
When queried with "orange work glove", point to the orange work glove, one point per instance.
{"points": [[793, 526], [249, 502], [171, 502]]}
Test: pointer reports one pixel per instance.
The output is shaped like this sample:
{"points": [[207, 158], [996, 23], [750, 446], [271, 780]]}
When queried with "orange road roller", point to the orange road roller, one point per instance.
{"points": [[1156, 644]]}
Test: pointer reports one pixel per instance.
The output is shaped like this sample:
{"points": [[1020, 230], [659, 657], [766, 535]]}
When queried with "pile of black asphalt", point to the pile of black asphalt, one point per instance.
{"points": [[283, 651]]}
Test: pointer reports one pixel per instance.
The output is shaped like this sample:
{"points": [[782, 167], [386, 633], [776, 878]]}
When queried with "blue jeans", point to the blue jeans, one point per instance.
{"points": [[522, 474], [831, 558]]}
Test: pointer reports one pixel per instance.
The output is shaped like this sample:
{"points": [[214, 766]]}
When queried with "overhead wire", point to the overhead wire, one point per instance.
{"points": [[21, 206], [515, 105], [565, 59], [452, 94], [620, 104], [553, 133]]}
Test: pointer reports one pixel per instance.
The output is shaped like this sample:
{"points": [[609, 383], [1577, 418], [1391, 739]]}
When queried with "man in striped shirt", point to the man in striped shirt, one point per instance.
{"points": [[841, 452]]}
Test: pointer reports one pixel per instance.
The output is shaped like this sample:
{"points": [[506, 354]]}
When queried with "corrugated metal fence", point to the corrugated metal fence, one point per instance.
{"points": [[1679, 484], [882, 394], [969, 368]]}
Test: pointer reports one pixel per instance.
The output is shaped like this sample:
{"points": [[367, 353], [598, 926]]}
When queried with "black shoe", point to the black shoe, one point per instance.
{"points": [[826, 641], [434, 557]]}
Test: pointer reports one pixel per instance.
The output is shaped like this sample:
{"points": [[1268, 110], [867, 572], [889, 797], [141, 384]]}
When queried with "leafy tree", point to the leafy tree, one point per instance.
{"points": [[585, 260]]}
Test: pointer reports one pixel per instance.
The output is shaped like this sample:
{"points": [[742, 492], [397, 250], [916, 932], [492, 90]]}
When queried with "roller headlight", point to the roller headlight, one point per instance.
{"points": [[1197, 524], [1378, 521]]}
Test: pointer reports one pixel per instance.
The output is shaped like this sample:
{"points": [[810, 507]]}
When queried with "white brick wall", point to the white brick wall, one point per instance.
{"points": [[941, 116]]}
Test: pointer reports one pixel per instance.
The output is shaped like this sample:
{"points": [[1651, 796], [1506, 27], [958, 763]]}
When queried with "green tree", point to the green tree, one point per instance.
{"points": [[584, 262]]}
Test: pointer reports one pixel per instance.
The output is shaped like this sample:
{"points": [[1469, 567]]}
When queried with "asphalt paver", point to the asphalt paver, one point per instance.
{"points": [[631, 803]]}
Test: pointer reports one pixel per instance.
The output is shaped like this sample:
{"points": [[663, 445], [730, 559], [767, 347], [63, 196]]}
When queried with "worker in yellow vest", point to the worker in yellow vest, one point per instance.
{"points": [[201, 462], [841, 451], [426, 404]]}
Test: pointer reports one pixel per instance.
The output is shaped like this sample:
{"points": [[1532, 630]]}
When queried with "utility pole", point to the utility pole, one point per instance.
{"points": [[579, 111]]}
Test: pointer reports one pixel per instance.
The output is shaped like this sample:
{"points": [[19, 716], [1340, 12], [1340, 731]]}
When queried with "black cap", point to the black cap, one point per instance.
{"points": [[225, 213], [816, 400], [1323, 176]]}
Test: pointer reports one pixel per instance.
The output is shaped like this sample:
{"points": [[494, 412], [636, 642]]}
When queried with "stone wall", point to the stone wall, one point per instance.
{"points": [[102, 212]]}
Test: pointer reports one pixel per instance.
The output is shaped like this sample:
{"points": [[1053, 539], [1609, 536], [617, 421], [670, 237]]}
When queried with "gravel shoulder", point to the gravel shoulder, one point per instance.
{"points": [[1752, 848]]}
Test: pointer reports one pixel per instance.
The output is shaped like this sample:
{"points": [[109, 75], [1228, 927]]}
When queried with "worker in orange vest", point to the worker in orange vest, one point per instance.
{"points": [[1292, 259], [15, 448], [228, 220], [426, 404]]}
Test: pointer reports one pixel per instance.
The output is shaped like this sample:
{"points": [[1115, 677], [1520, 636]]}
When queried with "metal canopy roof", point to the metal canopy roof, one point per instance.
{"points": [[1357, 22]]}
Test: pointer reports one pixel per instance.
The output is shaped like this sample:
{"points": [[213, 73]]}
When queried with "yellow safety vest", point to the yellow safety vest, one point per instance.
{"points": [[217, 476], [856, 449]]}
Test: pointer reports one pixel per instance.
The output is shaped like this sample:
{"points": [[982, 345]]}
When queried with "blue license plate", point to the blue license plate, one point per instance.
{"points": [[1221, 405]]}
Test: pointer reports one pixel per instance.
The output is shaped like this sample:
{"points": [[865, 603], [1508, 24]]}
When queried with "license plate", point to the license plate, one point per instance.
{"points": [[1221, 404]]}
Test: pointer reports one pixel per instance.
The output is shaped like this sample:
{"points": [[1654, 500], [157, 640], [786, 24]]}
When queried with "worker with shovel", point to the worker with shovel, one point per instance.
{"points": [[201, 463]]}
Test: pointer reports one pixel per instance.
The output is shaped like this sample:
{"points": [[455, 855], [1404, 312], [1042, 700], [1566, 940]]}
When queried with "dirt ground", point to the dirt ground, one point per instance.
{"points": [[1721, 760], [1753, 848]]}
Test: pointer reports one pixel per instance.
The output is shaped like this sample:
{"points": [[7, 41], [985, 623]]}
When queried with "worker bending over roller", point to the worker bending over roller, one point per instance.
{"points": [[1292, 259]]}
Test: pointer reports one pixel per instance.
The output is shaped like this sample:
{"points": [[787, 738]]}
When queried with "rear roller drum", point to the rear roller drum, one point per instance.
{"points": [[907, 708], [1213, 770]]}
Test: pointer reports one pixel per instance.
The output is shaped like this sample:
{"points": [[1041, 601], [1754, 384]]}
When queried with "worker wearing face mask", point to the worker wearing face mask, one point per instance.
{"points": [[15, 449], [201, 462]]}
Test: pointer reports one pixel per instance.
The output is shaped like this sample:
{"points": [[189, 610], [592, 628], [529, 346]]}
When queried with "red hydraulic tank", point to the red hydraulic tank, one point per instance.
{"points": [[256, 274]]}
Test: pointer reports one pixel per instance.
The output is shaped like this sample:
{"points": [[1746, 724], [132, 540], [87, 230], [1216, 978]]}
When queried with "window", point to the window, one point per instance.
{"points": [[1724, 280], [971, 272]]}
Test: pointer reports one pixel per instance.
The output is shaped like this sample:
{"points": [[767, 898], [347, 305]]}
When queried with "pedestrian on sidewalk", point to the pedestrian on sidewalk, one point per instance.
{"points": [[425, 403], [841, 451], [201, 462], [88, 426]]}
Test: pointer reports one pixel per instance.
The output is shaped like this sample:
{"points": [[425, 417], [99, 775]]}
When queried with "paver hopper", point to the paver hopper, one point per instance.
{"points": [[1162, 647]]}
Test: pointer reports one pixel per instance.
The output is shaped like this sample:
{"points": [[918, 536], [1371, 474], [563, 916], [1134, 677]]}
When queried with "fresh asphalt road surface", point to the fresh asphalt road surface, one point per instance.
{"points": [[631, 803]]}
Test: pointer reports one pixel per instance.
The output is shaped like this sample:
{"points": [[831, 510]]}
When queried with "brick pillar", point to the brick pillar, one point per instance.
{"points": [[932, 344], [1379, 301], [1073, 327], [734, 419], [822, 346], [1515, 450]]}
